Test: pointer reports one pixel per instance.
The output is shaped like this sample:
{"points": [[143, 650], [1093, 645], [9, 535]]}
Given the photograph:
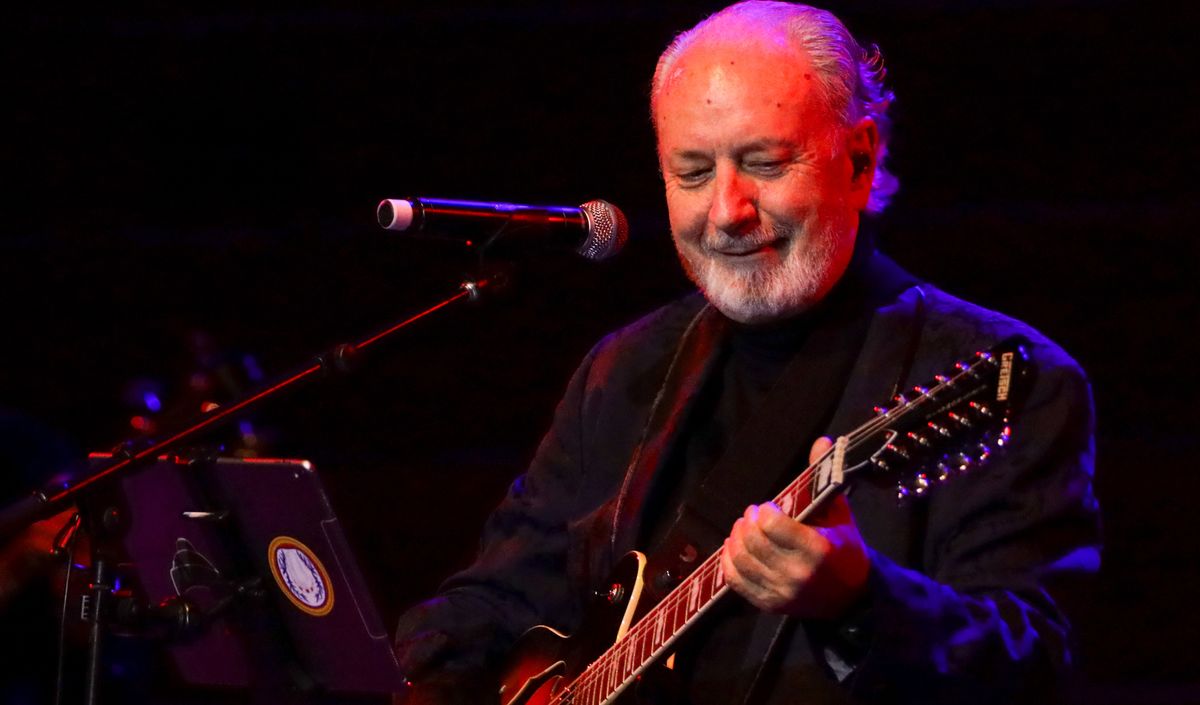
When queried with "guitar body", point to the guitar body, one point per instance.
{"points": [[545, 659]]}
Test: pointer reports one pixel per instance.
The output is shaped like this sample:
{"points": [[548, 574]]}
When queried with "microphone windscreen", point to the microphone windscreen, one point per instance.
{"points": [[607, 231], [395, 214]]}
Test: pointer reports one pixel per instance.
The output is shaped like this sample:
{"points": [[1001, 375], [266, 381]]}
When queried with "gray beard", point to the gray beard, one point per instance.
{"points": [[774, 293]]}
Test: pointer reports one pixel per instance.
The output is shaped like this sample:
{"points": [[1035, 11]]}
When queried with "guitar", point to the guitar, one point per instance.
{"points": [[926, 437]]}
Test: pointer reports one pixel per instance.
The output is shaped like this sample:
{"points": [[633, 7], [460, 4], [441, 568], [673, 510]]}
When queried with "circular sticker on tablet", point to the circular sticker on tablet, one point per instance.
{"points": [[301, 576]]}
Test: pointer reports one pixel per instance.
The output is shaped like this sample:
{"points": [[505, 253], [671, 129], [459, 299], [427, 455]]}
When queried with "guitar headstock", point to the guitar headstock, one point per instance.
{"points": [[949, 426]]}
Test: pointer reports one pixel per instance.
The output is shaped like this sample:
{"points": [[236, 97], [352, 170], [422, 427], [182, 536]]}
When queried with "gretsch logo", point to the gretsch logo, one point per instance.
{"points": [[1002, 384]]}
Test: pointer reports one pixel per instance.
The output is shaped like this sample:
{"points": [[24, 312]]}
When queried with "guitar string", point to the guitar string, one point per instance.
{"points": [[625, 647]]}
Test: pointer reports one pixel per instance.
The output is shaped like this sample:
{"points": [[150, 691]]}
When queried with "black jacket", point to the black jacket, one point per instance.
{"points": [[962, 588]]}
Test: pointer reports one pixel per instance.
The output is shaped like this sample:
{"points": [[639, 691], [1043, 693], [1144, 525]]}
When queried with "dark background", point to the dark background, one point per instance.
{"points": [[175, 170]]}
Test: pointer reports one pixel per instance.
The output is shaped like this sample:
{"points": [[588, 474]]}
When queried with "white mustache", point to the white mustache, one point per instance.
{"points": [[743, 244]]}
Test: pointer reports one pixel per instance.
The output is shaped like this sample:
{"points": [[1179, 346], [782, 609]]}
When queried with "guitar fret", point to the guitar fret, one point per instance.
{"points": [[598, 682], [593, 697], [786, 502]]}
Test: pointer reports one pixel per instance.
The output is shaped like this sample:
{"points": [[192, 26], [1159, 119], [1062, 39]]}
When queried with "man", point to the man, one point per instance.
{"points": [[771, 124]]}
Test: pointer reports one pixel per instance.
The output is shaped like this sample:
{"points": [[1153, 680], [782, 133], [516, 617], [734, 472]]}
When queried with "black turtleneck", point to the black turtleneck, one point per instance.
{"points": [[755, 365], [751, 362]]}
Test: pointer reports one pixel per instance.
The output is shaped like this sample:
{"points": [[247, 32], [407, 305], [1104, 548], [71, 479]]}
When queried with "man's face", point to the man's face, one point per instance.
{"points": [[762, 196]]}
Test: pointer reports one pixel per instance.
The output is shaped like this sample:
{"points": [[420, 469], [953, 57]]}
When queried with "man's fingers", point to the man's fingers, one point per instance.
{"points": [[764, 586], [772, 536], [744, 571]]}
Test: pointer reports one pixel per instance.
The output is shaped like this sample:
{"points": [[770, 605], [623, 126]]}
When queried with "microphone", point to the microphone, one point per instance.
{"points": [[596, 230]]}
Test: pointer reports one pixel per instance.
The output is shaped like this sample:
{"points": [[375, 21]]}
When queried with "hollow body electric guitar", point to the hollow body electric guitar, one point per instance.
{"points": [[923, 437]]}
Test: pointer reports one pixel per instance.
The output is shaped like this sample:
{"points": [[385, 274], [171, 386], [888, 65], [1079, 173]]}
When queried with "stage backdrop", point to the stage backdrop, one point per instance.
{"points": [[190, 211]]}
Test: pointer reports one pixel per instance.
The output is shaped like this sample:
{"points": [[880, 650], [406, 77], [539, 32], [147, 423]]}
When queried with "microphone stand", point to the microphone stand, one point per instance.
{"points": [[49, 500]]}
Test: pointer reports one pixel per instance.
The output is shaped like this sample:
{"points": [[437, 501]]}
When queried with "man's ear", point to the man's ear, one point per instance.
{"points": [[862, 144]]}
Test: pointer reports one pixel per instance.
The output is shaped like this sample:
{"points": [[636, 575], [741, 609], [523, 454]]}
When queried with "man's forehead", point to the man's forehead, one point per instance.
{"points": [[753, 70], [724, 50], [757, 90]]}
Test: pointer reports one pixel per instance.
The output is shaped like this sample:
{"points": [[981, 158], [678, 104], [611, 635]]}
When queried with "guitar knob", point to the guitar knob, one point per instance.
{"points": [[964, 462], [921, 391], [615, 594], [898, 451], [920, 483]]}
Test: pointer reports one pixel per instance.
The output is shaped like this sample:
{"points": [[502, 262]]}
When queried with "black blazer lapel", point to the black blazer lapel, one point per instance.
{"points": [[698, 350]]}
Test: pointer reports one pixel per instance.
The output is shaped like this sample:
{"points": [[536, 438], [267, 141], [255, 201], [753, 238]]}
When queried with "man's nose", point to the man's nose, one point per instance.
{"points": [[734, 208]]}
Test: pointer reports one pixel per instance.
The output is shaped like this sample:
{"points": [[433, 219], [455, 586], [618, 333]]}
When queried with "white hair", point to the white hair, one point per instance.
{"points": [[850, 77]]}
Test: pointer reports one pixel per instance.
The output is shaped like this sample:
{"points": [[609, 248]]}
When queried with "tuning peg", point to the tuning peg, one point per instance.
{"points": [[919, 439], [981, 409]]}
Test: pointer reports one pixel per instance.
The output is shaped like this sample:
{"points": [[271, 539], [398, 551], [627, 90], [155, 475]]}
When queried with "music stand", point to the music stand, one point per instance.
{"points": [[254, 550]]}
